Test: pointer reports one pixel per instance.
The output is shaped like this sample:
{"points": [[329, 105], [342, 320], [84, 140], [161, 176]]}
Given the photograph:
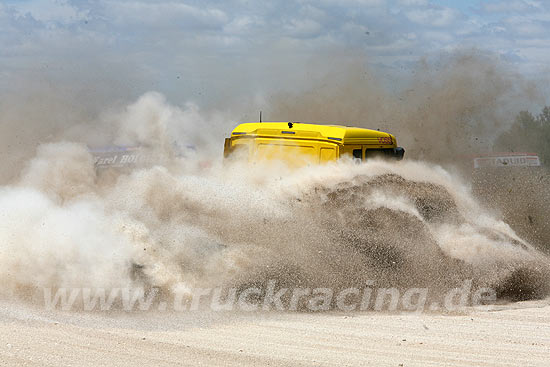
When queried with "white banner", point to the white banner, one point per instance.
{"points": [[508, 160]]}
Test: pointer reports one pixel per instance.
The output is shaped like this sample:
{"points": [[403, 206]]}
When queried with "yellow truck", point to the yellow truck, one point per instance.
{"points": [[297, 144]]}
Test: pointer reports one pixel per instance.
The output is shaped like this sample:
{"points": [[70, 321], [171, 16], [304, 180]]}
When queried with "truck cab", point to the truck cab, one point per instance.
{"points": [[298, 144]]}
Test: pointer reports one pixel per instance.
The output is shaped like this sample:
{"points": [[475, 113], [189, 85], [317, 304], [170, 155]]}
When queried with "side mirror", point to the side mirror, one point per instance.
{"points": [[399, 153], [227, 147]]}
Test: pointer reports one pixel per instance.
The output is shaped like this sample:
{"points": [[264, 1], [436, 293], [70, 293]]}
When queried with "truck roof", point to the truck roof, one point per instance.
{"points": [[337, 133]]}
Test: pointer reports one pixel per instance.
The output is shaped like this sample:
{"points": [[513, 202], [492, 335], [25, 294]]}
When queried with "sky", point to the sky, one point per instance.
{"points": [[207, 50]]}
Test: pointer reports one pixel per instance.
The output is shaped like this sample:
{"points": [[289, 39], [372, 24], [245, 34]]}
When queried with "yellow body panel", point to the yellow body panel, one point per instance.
{"points": [[298, 144]]}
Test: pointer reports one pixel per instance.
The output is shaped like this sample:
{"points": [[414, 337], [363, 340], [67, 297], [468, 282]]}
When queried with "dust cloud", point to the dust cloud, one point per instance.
{"points": [[66, 224], [190, 220], [448, 107]]}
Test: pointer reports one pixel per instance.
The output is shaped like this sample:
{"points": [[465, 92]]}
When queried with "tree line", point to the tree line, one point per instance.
{"points": [[528, 133]]}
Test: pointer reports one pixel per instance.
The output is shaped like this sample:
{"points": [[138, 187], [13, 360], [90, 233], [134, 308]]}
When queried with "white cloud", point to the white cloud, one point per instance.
{"points": [[530, 29], [59, 11], [398, 47], [161, 13], [301, 28], [166, 37], [511, 6], [413, 2], [441, 37], [433, 17], [240, 25], [354, 28], [524, 26], [535, 42], [373, 3]]}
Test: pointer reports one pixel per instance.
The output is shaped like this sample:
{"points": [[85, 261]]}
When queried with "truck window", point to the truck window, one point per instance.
{"points": [[377, 153]]}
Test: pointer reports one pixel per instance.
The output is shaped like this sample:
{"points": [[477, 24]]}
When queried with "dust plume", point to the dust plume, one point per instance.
{"points": [[450, 106], [186, 219], [66, 224]]}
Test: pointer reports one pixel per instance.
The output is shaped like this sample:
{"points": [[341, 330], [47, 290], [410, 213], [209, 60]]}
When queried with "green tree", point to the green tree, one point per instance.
{"points": [[528, 134], [544, 117]]}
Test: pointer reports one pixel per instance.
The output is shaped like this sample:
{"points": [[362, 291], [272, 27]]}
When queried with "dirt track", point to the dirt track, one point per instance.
{"points": [[511, 335]]}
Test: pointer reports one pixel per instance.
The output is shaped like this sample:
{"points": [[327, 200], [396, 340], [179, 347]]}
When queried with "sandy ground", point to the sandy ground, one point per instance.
{"points": [[509, 335]]}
